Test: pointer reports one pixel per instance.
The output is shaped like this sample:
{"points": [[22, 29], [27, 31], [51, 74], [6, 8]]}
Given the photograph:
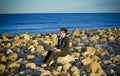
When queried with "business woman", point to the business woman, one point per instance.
{"points": [[61, 49]]}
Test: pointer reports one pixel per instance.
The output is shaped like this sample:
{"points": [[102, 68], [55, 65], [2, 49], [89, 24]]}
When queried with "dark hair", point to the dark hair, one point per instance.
{"points": [[64, 29]]}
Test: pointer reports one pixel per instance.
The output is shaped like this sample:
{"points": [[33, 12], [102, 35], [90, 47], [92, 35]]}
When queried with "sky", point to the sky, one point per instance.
{"points": [[59, 6]]}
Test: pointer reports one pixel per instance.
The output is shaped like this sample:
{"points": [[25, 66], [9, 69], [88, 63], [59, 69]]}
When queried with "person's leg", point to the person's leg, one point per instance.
{"points": [[54, 54], [47, 56]]}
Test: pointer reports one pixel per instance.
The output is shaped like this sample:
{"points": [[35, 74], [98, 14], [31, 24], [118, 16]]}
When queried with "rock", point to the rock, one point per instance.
{"points": [[78, 64], [9, 51], [55, 73], [31, 48], [16, 37], [94, 38], [2, 68], [90, 51], [17, 42], [65, 59], [104, 53], [75, 32], [95, 74], [96, 58], [4, 37], [66, 66], [75, 71], [70, 44], [26, 36], [13, 56], [116, 58], [3, 58], [31, 65], [75, 55], [101, 72], [35, 42], [54, 40], [40, 48], [107, 62], [111, 38], [14, 65], [30, 56], [59, 68], [87, 61], [8, 45], [93, 67], [46, 73]]}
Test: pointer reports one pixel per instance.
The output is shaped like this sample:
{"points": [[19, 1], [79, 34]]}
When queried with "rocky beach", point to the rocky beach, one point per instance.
{"points": [[91, 53]]}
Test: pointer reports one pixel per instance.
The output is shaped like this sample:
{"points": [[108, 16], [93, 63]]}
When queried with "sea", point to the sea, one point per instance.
{"points": [[34, 23]]}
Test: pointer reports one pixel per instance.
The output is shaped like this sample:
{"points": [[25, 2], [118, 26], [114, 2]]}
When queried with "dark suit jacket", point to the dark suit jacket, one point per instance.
{"points": [[64, 45]]}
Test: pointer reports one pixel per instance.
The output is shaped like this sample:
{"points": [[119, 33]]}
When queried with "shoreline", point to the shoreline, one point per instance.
{"points": [[92, 52], [69, 31]]}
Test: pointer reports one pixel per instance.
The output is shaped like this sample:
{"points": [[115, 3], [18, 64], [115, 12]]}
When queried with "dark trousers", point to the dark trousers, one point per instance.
{"points": [[50, 55]]}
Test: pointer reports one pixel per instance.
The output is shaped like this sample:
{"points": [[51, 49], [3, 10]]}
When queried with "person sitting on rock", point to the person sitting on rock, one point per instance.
{"points": [[60, 50]]}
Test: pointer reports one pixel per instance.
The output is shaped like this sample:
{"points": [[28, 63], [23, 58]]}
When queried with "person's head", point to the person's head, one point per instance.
{"points": [[63, 32]]}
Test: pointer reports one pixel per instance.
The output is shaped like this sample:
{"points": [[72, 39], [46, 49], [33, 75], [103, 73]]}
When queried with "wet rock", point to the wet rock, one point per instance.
{"points": [[2, 68], [31, 65], [65, 59]]}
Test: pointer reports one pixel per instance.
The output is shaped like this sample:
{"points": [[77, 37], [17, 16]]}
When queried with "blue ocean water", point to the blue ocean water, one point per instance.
{"points": [[52, 22]]}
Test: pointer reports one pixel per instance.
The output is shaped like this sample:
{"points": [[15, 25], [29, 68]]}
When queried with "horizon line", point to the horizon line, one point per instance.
{"points": [[66, 13]]}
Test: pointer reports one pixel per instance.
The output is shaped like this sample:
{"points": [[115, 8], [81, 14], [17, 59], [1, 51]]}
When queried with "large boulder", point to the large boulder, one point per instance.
{"points": [[65, 59]]}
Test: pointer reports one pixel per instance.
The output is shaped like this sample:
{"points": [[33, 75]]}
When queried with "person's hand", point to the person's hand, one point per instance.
{"points": [[57, 50], [54, 49]]}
